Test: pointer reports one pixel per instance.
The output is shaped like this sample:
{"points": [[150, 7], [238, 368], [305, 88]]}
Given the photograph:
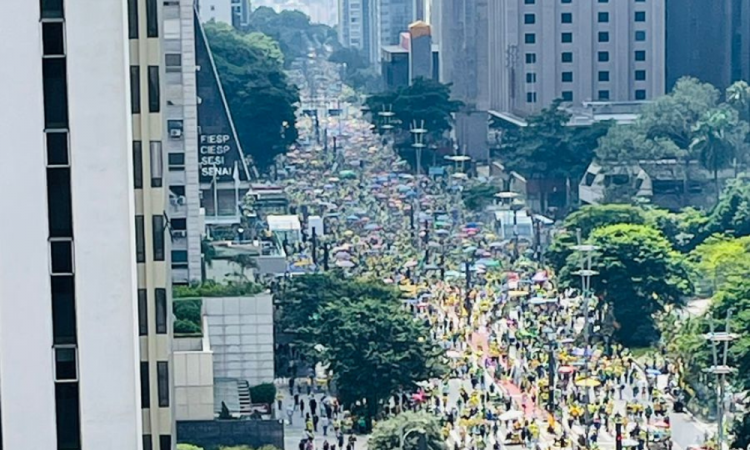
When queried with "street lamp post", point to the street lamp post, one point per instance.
{"points": [[516, 205], [720, 369], [418, 131], [585, 272]]}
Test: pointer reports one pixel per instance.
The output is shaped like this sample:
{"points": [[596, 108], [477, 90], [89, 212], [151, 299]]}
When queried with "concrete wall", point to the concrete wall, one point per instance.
{"points": [[211, 434], [241, 335], [193, 378]]}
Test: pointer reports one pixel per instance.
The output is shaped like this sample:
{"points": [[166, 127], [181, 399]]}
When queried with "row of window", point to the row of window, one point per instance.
{"points": [[567, 18], [603, 76], [567, 37], [156, 164], [162, 385], [60, 225], [160, 297], [567, 96], [152, 19], [154, 96], [158, 228], [603, 56]]}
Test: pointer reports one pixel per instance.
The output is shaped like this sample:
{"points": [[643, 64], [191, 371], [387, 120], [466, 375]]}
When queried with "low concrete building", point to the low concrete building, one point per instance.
{"points": [[194, 377], [240, 331]]}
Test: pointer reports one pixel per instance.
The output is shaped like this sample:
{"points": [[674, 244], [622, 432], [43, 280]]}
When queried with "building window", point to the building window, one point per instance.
{"points": [[567, 77], [640, 55], [147, 444], [566, 1], [529, 2], [158, 237], [52, 9], [57, 149], [162, 369], [67, 408], [640, 94], [640, 16], [529, 19], [66, 365], [603, 56], [133, 19], [530, 58], [566, 18], [603, 75], [135, 89], [567, 38], [137, 164], [157, 164], [529, 38], [63, 310], [165, 441], [603, 95], [567, 57], [145, 387], [152, 19], [531, 97], [175, 127], [140, 240], [640, 75], [640, 36], [154, 97], [603, 1], [604, 36], [161, 310], [531, 77], [53, 43], [176, 162], [55, 93], [567, 96], [142, 312], [61, 257], [59, 204], [173, 62]]}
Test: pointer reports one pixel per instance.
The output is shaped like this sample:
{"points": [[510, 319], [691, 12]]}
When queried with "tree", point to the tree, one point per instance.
{"points": [[188, 447], [263, 393], [731, 214], [375, 349], [424, 100], [260, 97], [548, 148], [187, 314], [479, 196], [638, 275], [721, 260], [719, 137], [426, 431], [738, 96]]}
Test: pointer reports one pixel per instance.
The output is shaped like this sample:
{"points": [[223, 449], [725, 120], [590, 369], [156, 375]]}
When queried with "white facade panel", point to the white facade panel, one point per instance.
{"points": [[26, 377], [103, 209]]}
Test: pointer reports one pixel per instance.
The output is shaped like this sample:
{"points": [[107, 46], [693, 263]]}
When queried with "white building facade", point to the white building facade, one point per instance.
{"points": [[69, 372], [359, 26], [578, 51]]}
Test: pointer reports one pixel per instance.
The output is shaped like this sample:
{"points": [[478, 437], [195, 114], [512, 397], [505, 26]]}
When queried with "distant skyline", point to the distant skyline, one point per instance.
{"points": [[320, 11]]}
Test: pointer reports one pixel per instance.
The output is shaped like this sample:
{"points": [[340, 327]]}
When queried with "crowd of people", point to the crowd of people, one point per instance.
{"points": [[527, 364]]}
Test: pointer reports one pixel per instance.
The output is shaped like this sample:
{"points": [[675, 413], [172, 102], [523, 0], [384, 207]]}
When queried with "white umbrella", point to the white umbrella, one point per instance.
{"points": [[453, 354], [345, 264]]}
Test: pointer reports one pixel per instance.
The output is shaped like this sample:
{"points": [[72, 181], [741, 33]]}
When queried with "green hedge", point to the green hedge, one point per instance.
{"points": [[214, 289], [263, 393]]}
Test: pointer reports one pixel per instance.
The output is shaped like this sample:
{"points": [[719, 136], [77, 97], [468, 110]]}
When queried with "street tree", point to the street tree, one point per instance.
{"points": [[422, 432], [639, 274], [374, 349], [731, 215], [548, 148], [479, 196], [720, 260], [261, 98], [719, 140], [738, 96]]}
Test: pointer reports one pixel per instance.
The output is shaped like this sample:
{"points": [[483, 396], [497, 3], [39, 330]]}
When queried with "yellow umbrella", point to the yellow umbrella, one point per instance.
{"points": [[587, 382], [303, 263], [518, 293]]}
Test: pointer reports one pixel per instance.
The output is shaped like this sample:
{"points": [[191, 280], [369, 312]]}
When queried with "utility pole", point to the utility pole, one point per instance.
{"points": [[418, 131], [585, 273], [720, 370]]}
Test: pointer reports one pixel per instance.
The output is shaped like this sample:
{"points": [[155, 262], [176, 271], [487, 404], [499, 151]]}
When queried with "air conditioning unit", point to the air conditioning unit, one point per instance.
{"points": [[179, 233], [176, 133]]}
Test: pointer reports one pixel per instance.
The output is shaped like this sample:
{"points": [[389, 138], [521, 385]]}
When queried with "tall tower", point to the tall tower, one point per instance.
{"points": [[152, 227], [69, 353]]}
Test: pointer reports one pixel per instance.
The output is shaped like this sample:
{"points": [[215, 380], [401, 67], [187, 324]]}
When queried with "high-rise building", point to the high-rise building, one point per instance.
{"points": [[583, 50], [146, 30], [358, 27], [231, 12], [394, 17], [181, 142], [721, 54], [69, 370]]}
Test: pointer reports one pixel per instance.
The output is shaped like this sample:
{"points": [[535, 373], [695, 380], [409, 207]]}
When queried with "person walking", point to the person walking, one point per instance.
{"points": [[302, 408], [313, 406], [315, 420], [290, 414], [324, 421]]}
